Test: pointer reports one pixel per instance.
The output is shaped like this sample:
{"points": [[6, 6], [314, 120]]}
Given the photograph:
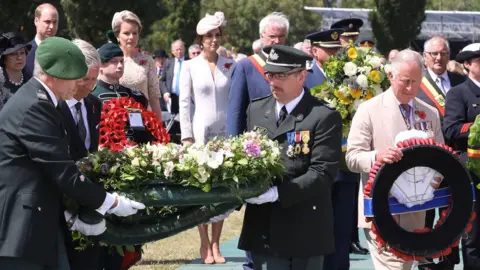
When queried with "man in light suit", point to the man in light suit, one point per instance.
{"points": [[372, 135], [46, 23]]}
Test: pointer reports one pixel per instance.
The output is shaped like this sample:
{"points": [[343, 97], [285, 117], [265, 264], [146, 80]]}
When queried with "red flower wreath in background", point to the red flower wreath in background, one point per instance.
{"points": [[381, 243], [114, 118]]}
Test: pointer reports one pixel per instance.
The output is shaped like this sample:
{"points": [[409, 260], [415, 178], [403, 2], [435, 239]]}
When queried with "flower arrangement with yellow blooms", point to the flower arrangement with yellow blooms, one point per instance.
{"points": [[354, 75]]}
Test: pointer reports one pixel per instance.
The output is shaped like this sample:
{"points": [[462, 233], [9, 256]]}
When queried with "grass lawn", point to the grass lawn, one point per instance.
{"points": [[172, 252]]}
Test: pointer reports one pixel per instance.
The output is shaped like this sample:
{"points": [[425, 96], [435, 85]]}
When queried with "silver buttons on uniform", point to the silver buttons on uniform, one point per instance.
{"points": [[314, 207], [39, 208]]}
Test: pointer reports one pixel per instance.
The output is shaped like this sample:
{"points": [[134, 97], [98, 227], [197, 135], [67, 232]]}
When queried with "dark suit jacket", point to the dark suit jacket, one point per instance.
{"points": [[35, 171], [30, 64], [167, 80], [455, 79], [300, 223], [461, 109], [246, 84], [77, 146]]}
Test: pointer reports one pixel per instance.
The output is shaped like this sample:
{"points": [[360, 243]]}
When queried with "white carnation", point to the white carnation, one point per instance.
{"points": [[169, 166], [375, 62], [350, 69], [362, 80]]}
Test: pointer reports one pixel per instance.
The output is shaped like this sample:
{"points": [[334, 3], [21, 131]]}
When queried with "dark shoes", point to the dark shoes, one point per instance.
{"points": [[356, 248]]}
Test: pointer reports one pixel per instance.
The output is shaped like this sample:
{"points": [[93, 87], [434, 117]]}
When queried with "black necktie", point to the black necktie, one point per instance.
{"points": [[282, 115], [82, 131]]}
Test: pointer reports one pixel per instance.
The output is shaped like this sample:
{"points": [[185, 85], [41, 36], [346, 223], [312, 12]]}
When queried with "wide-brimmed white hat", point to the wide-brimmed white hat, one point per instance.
{"points": [[210, 22]]}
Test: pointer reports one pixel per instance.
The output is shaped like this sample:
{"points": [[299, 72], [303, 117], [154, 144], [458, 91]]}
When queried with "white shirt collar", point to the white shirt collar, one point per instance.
{"points": [[50, 93], [290, 105], [38, 41], [434, 76], [71, 102], [409, 103], [477, 83]]}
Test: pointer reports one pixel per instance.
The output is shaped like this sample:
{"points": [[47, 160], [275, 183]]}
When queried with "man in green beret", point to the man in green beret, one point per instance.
{"points": [[36, 169], [291, 225], [108, 85]]}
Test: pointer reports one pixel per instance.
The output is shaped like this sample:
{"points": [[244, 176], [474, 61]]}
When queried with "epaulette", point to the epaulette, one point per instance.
{"points": [[42, 95], [261, 98], [326, 104]]}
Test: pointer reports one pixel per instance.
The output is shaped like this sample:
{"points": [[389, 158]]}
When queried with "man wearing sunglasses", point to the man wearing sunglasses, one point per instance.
{"points": [[291, 225]]}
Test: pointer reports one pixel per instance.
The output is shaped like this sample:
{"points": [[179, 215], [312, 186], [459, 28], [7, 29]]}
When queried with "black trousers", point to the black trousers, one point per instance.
{"points": [[270, 262]]}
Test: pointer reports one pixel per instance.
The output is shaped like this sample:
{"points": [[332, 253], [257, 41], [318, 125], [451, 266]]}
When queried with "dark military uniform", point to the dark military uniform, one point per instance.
{"points": [[35, 170], [300, 224], [105, 91], [462, 106], [295, 231]]}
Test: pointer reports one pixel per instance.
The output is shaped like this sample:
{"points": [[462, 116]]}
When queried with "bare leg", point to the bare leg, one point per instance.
{"points": [[216, 232], [205, 248]]}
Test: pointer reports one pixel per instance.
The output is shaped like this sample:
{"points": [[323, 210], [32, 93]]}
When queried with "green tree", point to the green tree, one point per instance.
{"points": [[180, 23], [243, 17], [18, 15], [389, 26], [91, 19]]}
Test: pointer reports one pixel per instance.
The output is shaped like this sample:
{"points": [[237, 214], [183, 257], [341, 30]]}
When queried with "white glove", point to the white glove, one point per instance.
{"points": [[125, 207], [220, 217], [83, 228], [270, 196]]}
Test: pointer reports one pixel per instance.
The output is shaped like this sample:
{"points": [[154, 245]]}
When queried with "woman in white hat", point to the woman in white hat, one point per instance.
{"points": [[205, 79]]}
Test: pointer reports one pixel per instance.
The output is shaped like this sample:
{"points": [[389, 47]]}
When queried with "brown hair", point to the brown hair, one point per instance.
{"points": [[198, 39]]}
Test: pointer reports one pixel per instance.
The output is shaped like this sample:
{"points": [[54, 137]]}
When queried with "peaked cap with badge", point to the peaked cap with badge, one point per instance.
{"points": [[469, 52], [60, 58], [108, 51], [283, 58], [326, 39], [351, 26]]}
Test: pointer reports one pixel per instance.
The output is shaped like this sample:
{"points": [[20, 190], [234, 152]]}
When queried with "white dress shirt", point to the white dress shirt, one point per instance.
{"points": [[289, 106], [71, 105], [477, 83], [109, 198], [442, 85]]}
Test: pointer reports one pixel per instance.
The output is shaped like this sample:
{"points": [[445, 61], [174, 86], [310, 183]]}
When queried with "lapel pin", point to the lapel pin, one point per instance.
{"points": [[300, 117], [267, 112]]}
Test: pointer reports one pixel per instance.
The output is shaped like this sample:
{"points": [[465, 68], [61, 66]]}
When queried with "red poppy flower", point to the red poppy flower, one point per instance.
{"points": [[142, 62], [422, 114], [227, 66]]}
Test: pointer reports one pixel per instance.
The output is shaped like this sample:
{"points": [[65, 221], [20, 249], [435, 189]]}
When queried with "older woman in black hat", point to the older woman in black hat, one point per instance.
{"points": [[13, 56]]}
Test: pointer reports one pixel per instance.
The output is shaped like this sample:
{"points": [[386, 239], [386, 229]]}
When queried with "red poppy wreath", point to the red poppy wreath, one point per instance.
{"points": [[414, 246], [112, 128]]}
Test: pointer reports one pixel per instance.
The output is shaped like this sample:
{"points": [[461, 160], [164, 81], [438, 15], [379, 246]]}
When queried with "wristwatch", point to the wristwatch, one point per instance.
{"points": [[71, 221]]}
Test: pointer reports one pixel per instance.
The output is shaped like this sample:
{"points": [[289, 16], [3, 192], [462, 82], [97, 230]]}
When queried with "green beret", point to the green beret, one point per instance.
{"points": [[109, 51], [62, 59]]}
